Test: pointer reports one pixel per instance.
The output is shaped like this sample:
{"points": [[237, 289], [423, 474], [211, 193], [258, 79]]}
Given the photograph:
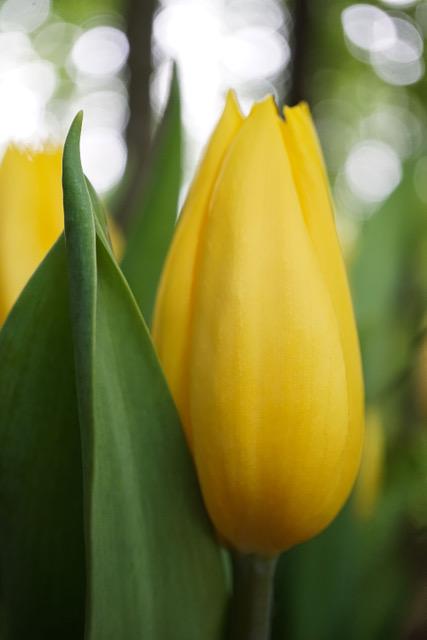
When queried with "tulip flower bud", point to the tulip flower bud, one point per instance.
{"points": [[31, 216], [255, 330]]}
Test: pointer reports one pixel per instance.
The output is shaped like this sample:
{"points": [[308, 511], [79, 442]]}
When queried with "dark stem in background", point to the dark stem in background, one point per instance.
{"points": [[299, 43], [251, 605], [139, 17]]}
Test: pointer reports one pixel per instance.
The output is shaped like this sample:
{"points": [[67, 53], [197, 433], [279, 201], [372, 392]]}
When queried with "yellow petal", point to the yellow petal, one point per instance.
{"points": [[174, 300], [311, 182], [30, 216], [268, 393]]}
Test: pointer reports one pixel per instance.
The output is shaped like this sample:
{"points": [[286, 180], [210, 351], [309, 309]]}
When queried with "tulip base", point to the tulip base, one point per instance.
{"points": [[252, 597]]}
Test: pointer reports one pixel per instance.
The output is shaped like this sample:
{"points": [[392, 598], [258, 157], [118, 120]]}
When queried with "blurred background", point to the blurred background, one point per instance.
{"points": [[361, 66]]}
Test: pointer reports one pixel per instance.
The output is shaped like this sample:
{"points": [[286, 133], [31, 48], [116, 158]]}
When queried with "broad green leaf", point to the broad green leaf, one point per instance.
{"points": [[100, 216], [155, 570], [154, 221], [42, 577]]}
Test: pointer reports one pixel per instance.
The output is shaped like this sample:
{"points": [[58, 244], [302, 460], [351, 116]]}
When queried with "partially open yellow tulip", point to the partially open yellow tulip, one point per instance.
{"points": [[30, 216], [255, 330]]}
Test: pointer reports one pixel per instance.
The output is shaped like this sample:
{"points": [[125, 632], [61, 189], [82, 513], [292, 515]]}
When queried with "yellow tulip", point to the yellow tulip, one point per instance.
{"points": [[255, 331], [368, 486], [31, 216]]}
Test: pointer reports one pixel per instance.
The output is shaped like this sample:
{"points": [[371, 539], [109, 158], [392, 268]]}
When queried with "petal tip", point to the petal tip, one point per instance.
{"points": [[266, 107], [232, 104], [301, 108]]}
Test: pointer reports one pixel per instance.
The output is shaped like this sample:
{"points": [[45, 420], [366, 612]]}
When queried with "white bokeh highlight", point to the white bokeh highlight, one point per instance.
{"points": [[101, 51], [25, 15], [368, 27], [37, 52], [373, 170], [217, 45], [391, 43], [103, 156], [240, 53], [401, 62]]}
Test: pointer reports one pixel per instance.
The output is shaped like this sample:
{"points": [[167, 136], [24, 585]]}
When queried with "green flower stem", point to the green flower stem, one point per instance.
{"points": [[252, 597]]}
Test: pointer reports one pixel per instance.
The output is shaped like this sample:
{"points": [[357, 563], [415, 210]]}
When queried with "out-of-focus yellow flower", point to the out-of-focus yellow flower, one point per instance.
{"points": [[255, 330], [31, 216], [368, 486]]}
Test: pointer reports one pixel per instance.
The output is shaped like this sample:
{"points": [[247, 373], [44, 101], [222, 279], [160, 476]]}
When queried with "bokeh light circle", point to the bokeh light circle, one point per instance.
{"points": [[373, 170]]}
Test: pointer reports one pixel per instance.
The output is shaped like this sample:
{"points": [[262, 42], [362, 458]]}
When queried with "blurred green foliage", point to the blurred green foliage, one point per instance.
{"points": [[80, 11]]}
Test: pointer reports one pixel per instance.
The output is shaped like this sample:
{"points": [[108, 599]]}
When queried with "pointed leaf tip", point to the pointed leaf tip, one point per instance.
{"points": [[174, 97], [74, 133], [72, 171], [175, 73]]}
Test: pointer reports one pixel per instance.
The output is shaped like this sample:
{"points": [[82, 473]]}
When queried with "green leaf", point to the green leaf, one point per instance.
{"points": [[100, 216], [42, 581], [151, 232], [155, 570]]}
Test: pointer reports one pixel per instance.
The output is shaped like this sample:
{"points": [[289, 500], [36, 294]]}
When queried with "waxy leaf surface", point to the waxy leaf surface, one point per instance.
{"points": [[156, 208], [155, 570], [42, 578]]}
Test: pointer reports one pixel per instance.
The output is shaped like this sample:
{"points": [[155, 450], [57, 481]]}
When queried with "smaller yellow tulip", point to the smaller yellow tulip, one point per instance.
{"points": [[31, 216], [368, 486]]}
